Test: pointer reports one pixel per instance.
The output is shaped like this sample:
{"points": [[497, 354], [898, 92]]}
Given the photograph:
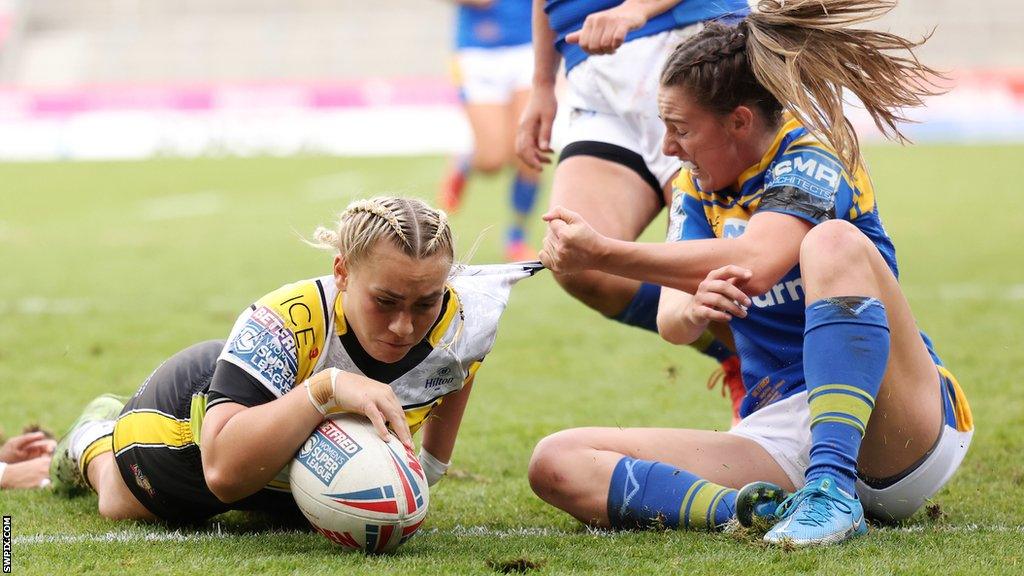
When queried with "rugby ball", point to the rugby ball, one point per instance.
{"points": [[358, 491]]}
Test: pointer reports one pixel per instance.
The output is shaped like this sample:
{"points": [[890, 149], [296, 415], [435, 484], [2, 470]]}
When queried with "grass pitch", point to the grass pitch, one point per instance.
{"points": [[110, 268]]}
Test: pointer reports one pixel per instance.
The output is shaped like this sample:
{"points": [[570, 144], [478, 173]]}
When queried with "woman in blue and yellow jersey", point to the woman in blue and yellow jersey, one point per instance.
{"points": [[493, 69], [776, 230], [391, 334], [611, 169]]}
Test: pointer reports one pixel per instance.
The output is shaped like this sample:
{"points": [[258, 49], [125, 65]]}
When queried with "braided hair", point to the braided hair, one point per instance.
{"points": [[800, 56], [418, 230]]}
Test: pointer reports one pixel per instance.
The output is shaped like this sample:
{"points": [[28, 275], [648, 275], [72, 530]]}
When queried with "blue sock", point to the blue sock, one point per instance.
{"points": [[524, 194], [642, 310], [846, 349], [645, 494], [515, 234]]}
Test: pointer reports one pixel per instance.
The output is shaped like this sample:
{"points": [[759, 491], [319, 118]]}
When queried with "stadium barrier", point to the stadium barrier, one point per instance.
{"points": [[371, 117]]}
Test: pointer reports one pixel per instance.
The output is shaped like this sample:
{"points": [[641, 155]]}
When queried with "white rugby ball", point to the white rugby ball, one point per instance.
{"points": [[357, 490]]}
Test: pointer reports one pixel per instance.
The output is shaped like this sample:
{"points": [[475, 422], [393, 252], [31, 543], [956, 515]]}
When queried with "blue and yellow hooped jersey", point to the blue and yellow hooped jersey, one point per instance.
{"points": [[804, 178], [503, 23], [567, 16]]}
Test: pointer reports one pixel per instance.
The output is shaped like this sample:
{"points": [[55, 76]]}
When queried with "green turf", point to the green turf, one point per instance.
{"points": [[95, 292]]}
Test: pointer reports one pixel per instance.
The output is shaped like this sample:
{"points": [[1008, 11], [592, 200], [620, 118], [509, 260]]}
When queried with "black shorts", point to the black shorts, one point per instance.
{"points": [[156, 447], [618, 155]]}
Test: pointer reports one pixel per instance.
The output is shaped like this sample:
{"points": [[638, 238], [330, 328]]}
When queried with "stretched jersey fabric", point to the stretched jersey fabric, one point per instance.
{"points": [[567, 16], [503, 23], [799, 176]]}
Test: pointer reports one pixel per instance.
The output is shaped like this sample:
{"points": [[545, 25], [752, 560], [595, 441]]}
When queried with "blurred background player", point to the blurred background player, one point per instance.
{"points": [[611, 169], [215, 426], [493, 68]]}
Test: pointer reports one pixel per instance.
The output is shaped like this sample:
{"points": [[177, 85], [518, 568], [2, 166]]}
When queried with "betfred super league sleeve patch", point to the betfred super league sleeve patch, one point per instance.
{"points": [[805, 183], [265, 348]]}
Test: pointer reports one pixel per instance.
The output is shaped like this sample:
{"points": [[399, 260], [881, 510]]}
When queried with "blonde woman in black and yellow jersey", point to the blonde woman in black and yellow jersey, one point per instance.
{"points": [[391, 334]]}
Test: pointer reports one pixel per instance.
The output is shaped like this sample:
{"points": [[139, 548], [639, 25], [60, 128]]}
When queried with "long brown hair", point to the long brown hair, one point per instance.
{"points": [[799, 55]]}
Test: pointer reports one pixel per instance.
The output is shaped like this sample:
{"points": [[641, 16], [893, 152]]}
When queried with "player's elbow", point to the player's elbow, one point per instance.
{"points": [[224, 485], [759, 284]]}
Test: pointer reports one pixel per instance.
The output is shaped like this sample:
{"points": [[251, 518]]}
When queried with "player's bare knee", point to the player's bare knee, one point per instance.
{"points": [[112, 508], [547, 465], [832, 249]]}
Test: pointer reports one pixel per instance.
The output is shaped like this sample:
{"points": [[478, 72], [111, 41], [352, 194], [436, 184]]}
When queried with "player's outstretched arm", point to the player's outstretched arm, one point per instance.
{"points": [[243, 448], [440, 431], [769, 248]]}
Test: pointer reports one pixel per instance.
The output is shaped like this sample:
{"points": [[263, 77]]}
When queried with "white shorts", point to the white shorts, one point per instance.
{"points": [[614, 99], [783, 429], [493, 75]]}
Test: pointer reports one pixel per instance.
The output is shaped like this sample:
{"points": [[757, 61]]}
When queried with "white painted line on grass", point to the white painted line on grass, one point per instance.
{"points": [[131, 537]]}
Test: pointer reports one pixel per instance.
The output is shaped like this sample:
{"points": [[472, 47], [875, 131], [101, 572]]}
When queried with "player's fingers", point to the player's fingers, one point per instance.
{"points": [[544, 258], [526, 143], [561, 213], [728, 305], [399, 425], [544, 135], [607, 43], [377, 419], [41, 446], [20, 442], [712, 315], [619, 38], [554, 213], [730, 271], [726, 289], [557, 227], [574, 37]]}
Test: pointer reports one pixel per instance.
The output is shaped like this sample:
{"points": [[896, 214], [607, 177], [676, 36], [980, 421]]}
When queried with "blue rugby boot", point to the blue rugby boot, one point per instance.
{"points": [[819, 513], [758, 502]]}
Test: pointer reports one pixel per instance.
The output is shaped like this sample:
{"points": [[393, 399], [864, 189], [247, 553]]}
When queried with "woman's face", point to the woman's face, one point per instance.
{"points": [[390, 300], [712, 146]]}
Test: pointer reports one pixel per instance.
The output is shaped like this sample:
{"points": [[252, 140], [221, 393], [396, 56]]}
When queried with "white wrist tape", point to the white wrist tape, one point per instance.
{"points": [[321, 394], [3, 467], [433, 468]]}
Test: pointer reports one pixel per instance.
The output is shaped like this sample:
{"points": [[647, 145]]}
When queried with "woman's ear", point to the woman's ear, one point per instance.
{"points": [[741, 120], [340, 273]]}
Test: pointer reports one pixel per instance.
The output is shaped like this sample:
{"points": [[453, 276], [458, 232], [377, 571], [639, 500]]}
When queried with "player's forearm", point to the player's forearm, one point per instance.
{"points": [[442, 428], [256, 443], [545, 58], [674, 326], [684, 265]]}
